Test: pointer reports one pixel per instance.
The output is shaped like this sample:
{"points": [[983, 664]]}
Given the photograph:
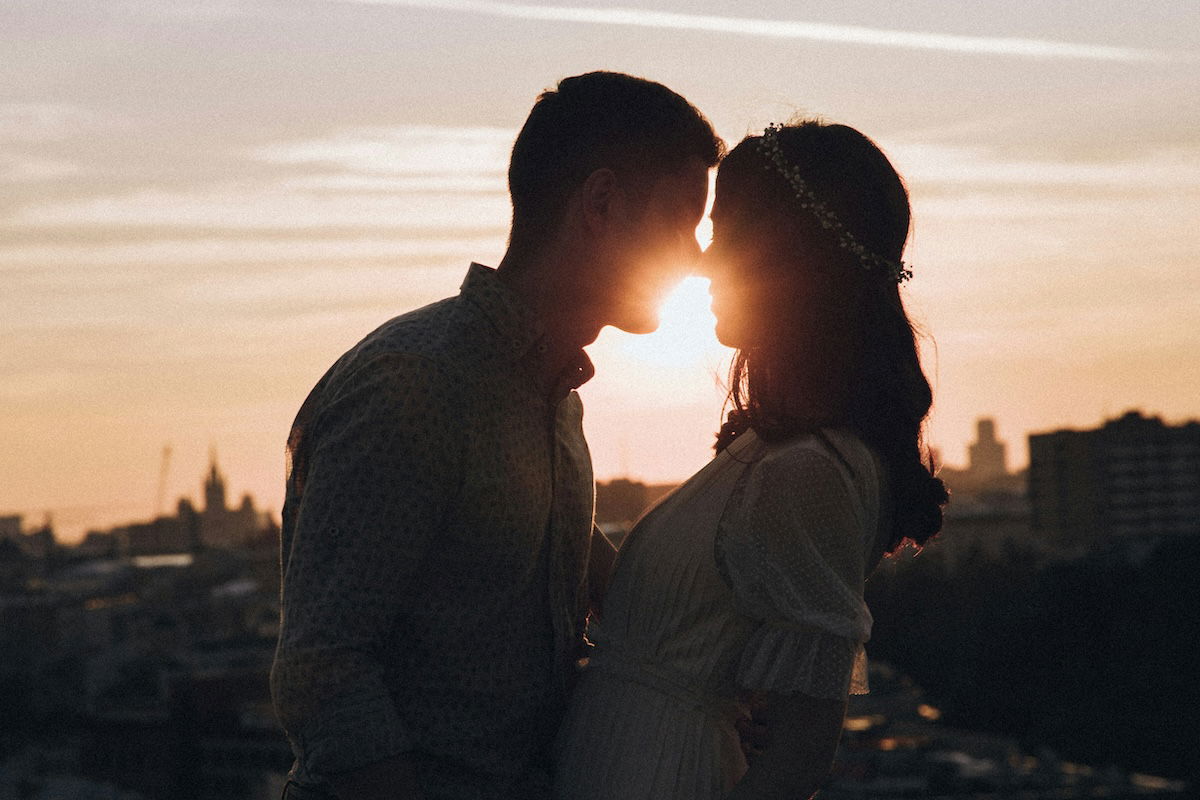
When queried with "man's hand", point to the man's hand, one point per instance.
{"points": [[753, 730]]}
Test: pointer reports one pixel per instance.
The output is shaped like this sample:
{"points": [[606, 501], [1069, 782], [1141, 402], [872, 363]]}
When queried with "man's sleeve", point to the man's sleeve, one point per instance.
{"points": [[383, 464]]}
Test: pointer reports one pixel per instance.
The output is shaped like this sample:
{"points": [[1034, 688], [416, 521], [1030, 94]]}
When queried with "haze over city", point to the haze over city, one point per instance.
{"points": [[206, 203]]}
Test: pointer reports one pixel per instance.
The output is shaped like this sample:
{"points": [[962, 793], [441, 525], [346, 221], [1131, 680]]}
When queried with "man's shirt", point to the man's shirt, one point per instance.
{"points": [[434, 546]]}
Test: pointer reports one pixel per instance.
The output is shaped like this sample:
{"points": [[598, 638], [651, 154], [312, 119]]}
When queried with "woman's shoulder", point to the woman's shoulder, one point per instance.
{"points": [[838, 446], [825, 457]]}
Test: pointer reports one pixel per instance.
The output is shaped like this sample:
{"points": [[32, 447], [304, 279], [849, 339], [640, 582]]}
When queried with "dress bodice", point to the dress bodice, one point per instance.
{"points": [[748, 577]]}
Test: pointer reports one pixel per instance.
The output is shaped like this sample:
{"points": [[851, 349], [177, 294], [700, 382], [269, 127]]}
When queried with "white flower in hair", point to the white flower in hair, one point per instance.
{"points": [[768, 145]]}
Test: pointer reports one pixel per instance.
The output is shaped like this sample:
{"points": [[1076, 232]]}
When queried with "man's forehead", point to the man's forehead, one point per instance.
{"points": [[687, 186]]}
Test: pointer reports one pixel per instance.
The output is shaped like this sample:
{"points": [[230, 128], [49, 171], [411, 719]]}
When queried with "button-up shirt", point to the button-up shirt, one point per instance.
{"points": [[434, 546]]}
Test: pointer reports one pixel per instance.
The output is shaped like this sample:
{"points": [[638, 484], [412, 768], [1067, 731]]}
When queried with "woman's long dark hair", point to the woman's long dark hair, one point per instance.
{"points": [[833, 344]]}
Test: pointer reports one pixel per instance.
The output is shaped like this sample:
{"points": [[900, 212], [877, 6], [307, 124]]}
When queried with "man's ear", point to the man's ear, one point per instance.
{"points": [[599, 197]]}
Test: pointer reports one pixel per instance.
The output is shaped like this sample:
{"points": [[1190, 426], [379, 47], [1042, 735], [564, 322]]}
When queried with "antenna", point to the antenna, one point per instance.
{"points": [[162, 480]]}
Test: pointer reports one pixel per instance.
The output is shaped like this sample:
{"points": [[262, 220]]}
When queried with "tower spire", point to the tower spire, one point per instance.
{"points": [[214, 485]]}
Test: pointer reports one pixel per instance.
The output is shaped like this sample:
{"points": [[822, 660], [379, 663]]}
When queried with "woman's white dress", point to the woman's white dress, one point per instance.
{"points": [[748, 577]]}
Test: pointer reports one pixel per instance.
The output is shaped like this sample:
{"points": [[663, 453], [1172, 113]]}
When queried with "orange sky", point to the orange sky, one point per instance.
{"points": [[206, 203]]}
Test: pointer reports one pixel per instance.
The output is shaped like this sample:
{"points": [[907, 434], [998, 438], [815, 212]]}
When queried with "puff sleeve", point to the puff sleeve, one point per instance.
{"points": [[793, 554]]}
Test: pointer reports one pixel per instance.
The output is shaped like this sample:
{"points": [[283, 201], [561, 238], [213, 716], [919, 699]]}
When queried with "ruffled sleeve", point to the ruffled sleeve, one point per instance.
{"points": [[792, 550]]}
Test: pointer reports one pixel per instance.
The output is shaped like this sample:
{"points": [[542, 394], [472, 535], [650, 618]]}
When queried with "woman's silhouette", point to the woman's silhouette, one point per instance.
{"points": [[749, 577]]}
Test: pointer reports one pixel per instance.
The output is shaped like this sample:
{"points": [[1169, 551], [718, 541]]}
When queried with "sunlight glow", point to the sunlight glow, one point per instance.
{"points": [[686, 335]]}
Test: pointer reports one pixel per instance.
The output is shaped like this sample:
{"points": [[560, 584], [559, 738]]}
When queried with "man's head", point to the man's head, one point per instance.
{"points": [[622, 163]]}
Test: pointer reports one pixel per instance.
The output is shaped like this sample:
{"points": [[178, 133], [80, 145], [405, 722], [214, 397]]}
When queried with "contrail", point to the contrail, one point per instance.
{"points": [[790, 29]]}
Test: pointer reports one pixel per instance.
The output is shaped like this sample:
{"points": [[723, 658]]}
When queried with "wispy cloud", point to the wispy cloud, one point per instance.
{"points": [[28, 169], [969, 166], [793, 29], [409, 176], [243, 207], [402, 150], [41, 122], [66, 263]]}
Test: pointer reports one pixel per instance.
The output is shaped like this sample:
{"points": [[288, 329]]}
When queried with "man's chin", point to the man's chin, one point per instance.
{"points": [[637, 323]]}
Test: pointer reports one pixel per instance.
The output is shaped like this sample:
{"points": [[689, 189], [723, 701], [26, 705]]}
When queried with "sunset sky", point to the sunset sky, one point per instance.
{"points": [[205, 203]]}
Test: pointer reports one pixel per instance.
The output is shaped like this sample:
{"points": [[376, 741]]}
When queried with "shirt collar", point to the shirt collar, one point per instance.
{"points": [[519, 328], [511, 318], [577, 372]]}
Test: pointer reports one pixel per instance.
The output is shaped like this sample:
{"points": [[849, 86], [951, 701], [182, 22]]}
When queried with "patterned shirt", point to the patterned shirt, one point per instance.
{"points": [[434, 546]]}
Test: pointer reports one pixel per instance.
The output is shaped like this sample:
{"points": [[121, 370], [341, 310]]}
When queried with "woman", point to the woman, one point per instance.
{"points": [[749, 577]]}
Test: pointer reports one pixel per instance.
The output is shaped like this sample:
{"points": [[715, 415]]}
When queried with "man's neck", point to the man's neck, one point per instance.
{"points": [[545, 283]]}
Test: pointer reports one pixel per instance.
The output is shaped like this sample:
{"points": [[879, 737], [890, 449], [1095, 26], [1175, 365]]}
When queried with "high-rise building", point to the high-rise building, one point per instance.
{"points": [[220, 525], [987, 466], [986, 453], [1132, 476], [214, 488]]}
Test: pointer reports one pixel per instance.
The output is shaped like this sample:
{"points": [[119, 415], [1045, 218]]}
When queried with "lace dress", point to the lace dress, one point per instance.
{"points": [[748, 577]]}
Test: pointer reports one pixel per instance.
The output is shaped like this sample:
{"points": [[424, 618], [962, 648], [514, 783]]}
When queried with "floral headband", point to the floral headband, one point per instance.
{"points": [[768, 145]]}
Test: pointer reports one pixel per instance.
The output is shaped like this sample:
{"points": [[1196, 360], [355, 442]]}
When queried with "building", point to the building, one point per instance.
{"points": [[986, 454], [987, 466], [10, 526], [1133, 476], [162, 535], [38, 543], [189, 530]]}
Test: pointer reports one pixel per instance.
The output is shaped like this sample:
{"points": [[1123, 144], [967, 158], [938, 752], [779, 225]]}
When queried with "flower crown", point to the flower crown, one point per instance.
{"points": [[768, 145]]}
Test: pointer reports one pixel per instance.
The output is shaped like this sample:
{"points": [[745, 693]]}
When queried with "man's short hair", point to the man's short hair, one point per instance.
{"points": [[638, 128]]}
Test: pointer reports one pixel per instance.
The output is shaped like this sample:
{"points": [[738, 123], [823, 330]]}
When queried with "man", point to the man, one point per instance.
{"points": [[438, 517]]}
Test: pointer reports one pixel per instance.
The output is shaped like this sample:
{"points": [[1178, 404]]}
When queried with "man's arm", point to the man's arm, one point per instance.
{"points": [[600, 568], [383, 464]]}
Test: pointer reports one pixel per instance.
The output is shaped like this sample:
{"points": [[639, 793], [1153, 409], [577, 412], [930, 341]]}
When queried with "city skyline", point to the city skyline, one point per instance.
{"points": [[207, 202], [986, 463]]}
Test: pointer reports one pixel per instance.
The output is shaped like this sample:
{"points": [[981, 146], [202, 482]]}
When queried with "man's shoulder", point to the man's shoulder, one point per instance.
{"points": [[429, 332], [449, 335]]}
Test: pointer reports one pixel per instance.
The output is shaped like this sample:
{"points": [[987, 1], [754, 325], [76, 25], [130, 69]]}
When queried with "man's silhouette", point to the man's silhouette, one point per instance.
{"points": [[437, 525]]}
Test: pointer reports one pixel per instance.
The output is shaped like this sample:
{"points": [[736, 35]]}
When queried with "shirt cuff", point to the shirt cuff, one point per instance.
{"points": [[351, 732]]}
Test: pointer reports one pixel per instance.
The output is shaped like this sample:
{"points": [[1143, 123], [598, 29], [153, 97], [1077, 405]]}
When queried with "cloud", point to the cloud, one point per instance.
{"points": [[242, 207], [25, 169], [1158, 170], [187, 12], [400, 184], [792, 29], [402, 150], [75, 263], [41, 122], [413, 176]]}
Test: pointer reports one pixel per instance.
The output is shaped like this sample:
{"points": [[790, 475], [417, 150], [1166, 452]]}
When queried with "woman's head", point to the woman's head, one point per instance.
{"points": [[809, 227], [810, 213]]}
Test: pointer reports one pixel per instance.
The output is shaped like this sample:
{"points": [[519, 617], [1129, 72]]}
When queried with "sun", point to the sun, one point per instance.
{"points": [[685, 335]]}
